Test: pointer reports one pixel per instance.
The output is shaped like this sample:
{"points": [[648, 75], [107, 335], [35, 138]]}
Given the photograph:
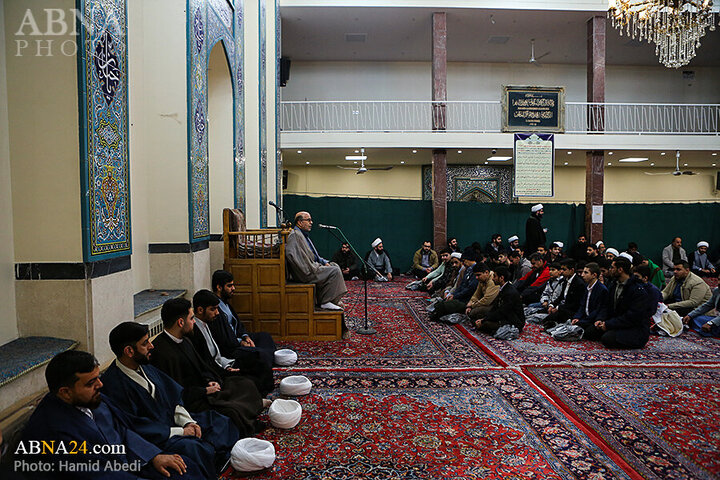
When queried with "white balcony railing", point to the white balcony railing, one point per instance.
{"points": [[485, 117]]}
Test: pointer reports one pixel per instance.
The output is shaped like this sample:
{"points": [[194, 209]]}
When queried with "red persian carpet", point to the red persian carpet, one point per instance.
{"points": [[439, 425], [664, 422], [535, 347], [405, 338]]}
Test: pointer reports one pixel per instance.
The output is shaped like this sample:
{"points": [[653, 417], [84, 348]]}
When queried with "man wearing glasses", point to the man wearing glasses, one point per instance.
{"points": [[307, 266]]}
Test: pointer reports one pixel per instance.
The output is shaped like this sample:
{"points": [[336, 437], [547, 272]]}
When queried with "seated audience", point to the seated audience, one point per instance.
{"points": [[513, 243], [459, 271], [605, 277], [594, 303], [75, 413], [306, 265], [437, 286], [671, 254], [346, 259], [701, 322], [700, 263], [425, 260], [437, 272], [685, 291], [643, 273], [630, 309], [531, 285], [551, 293], [501, 260], [555, 253], [519, 265], [481, 301], [495, 245], [600, 245], [507, 309], [205, 385], [573, 290], [253, 352], [155, 399], [542, 250], [611, 254], [456, 300], [452, 245], [379, 261], [579, 249], [657, 277], [591, 254]]}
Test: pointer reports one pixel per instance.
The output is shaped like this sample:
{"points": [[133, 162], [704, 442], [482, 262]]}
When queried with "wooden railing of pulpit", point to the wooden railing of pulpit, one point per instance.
{"points": [[264, 299]]}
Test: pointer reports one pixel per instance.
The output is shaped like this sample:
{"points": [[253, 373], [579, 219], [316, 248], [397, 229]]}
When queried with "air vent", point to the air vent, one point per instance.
{"points": [[356, 37], [498, 39]]}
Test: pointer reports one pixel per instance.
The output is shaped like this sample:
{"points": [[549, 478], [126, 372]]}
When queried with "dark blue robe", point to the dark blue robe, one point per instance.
{"points": [[56, 420], [158, 415]]}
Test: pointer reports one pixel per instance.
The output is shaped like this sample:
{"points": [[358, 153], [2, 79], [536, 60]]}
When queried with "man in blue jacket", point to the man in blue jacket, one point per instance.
{"points": [[630, 309], [458, 299], [593, 306]]}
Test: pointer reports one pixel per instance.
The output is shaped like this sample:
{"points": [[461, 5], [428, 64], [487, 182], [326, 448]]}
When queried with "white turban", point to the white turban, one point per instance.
{"points": [[285, 414], [285, 357], [252, 454], [559, 244], [703, 244], [456, 255], [613, 251], [295, 385], [513, 238], [599, 242], [627, 256], [536, 208], [376, 242]]}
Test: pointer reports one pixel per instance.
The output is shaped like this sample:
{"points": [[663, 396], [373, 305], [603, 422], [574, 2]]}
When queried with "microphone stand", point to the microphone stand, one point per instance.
{"points": [[280, 213], [365, 329]]}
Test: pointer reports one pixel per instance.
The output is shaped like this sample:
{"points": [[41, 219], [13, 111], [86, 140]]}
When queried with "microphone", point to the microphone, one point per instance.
{"points": [[273, 204], [327, 226]]}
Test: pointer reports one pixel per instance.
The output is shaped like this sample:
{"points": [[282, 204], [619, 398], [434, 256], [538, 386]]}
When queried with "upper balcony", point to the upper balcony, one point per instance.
{"points": [[587, 125]]}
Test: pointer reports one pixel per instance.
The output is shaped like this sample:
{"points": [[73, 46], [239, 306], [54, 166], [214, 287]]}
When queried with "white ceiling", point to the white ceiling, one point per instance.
{"points": [[404, 34], [393, 156]]}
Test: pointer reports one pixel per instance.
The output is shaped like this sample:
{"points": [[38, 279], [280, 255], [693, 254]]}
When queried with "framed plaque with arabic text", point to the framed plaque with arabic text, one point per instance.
{"points": [[533, 109], [534, 171]]}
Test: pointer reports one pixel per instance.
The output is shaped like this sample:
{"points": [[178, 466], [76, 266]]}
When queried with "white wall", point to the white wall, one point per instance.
{"points": [[251, 72], [220, 137], [477, 81], [8, 321]]}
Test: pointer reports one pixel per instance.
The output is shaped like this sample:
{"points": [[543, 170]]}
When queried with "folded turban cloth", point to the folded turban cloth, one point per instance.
{"points": [[295, 385], [703, 244], [599, 242], [613, 251], [536, 208], [376, 242], [285, 413], [626, 255], [513, 238], [456, 255], [285, 357], [559, 244], [252, 454]]}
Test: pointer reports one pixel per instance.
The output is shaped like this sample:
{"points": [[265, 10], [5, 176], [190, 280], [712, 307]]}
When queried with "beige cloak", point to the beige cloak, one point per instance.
{"points": [[328, 279]]}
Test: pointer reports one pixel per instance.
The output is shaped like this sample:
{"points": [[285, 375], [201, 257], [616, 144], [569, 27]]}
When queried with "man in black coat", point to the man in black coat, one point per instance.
{"points": [[570, 298], [507, 308], [534, 231], [629, 314], [347, 261]]}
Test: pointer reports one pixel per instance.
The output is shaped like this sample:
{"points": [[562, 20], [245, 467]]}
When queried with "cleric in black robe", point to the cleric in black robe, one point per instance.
{"points": [[204, 387], [144, 391], [75, 414], [534, 231], [253, 352]]}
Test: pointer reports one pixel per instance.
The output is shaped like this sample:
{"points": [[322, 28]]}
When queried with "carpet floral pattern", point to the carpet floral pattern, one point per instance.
{"points": [[664, 422], [405, 338], [535, 347], [410, 425]]}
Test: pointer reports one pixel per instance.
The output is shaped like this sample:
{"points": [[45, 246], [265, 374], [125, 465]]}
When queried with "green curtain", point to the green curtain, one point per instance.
{"points": [[405, 224]]}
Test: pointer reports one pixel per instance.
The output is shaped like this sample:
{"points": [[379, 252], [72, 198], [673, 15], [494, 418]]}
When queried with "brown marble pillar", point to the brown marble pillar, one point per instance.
{"points": [[595, 162], [439, 157]]}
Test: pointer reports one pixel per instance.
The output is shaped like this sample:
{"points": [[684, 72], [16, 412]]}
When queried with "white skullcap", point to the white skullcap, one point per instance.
{"points": [[252, 454], [295, 385], [513, 238], [285, 414], [613, 251], [626, 255], [456, 255], [285, 357], [376, 242], [536, 208], [599, 242], [703, 244], [559, 244]]}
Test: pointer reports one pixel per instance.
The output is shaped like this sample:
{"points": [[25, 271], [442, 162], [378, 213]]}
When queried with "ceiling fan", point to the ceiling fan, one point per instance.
{"points": [[677, 171], [533, 59], [362, 169]]}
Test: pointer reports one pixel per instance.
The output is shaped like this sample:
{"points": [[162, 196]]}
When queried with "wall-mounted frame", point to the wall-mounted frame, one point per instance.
{"points": [[533, 109]]}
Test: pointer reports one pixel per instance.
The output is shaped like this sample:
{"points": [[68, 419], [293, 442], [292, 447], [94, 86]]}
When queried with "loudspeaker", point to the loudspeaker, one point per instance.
{"points": [[717, 181], [284, 71], [285, 178]]}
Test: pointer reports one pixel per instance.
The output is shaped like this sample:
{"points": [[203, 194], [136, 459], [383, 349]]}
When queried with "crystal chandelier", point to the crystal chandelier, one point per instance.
{"points": [[675, 26]]}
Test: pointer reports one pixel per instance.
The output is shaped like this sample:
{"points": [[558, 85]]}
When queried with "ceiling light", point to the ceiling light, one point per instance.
{"points": [[684, 164], [652, 164], [662, 153], [610, 153], [569, 153], [402, 161], [566, 163], [713, 164], [414, 151], [633, 159], [355, 157], [609, 164], [357, 151], [486, 163], [299, 151], [355, 162], [499, 159], [307, 163], [459, 151], [714, 154]]}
